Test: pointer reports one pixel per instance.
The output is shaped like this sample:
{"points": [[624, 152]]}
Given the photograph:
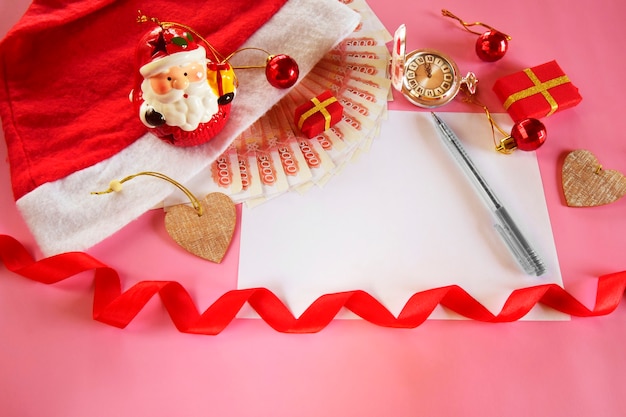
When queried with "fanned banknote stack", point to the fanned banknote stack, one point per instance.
{"points": [[273, 157]]}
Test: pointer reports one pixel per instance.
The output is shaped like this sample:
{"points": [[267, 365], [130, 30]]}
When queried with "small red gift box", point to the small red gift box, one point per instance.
{"points": [[536, 92], [318, 114]]}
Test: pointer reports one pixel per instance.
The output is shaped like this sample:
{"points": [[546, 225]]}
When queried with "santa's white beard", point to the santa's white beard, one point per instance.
{"points": [[185, 112]]}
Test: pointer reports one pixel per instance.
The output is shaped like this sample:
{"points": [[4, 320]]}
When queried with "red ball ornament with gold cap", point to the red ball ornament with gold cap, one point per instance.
{"points": [[490, 45], [281, 71], [526, 135]]}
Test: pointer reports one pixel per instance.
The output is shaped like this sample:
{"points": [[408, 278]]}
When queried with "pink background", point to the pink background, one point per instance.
{"points": [[56, 361]]}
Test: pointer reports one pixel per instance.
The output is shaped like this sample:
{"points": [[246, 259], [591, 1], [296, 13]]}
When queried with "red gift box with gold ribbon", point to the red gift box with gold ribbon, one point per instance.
{"points": [[536, 92], [318, 114]]}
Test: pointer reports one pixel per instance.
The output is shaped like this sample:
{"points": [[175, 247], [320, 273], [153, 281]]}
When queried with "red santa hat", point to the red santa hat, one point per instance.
{"points": [[65, 74]]}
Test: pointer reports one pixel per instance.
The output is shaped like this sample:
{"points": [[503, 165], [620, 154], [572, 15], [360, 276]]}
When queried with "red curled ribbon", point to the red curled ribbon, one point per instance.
{"points": [[117, 308]]}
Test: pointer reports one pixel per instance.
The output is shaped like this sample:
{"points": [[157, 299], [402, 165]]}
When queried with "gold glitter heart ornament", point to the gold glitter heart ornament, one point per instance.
{"points": [[587, 184]]}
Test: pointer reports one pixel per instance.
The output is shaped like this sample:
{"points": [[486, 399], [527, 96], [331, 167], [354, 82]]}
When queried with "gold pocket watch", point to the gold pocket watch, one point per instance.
{"points": [[426, 77]]}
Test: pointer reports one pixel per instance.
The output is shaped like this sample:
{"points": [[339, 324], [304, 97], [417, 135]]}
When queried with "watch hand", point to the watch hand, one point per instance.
{"points": [[428, 70]]}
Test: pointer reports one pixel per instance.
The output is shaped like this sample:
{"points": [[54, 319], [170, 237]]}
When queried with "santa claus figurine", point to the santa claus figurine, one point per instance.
{"points": [[182, 96]]}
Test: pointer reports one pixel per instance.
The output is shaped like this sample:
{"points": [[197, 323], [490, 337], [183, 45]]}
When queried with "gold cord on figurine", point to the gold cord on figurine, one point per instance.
{"points": [[142, 18]]}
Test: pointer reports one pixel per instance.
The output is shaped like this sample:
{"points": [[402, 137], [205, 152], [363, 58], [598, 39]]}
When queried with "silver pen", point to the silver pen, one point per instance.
{"points": [[511, 234]]}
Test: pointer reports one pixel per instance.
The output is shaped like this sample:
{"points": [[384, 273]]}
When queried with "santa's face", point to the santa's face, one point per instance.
{"points": [[178, 77], [182, 95]]}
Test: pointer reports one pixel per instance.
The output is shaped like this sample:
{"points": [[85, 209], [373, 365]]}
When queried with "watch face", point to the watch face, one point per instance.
{"points": [[430, 78]]}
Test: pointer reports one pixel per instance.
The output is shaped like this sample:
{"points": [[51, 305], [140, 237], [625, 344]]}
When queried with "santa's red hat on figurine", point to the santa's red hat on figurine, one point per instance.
{"points": [[66, 71]]}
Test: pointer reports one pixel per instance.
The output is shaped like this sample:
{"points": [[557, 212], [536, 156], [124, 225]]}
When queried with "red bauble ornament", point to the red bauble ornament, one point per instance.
{"points": [[529, 134], [281, 71], [492, 45]]}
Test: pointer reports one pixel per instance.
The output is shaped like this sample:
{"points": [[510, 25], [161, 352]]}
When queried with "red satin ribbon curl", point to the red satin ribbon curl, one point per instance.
{"points": [[117, 308]]}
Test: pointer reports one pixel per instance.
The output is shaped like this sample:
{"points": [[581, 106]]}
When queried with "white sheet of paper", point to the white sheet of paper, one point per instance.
{"points": [[403, 218]]}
